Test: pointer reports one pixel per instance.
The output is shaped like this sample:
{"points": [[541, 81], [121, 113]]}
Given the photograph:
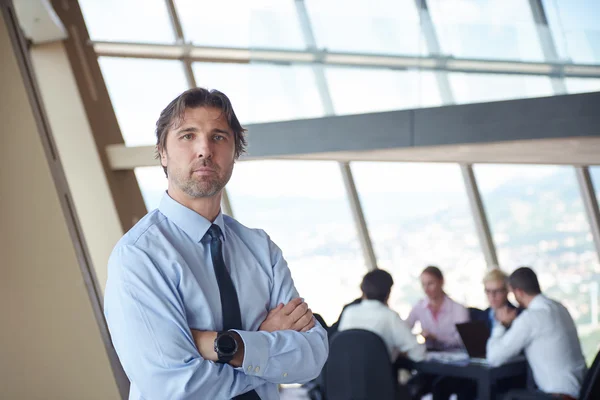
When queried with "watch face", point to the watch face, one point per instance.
{"points": [[227, 344]]}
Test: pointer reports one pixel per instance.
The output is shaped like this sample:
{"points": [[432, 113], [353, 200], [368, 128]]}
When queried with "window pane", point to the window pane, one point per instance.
{"points": [[363, 90], [153, 184], [138, 96], [575, 29], [538, 219], [241, 23], [128, 20], [264, 92], [595, 174], [474, 88], [488, 29], [303, 207], [383, 26], [582, 85], [418, 214]]}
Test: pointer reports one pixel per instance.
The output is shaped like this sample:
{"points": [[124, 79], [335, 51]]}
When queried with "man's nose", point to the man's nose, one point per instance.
{"points": [[203, 147]]}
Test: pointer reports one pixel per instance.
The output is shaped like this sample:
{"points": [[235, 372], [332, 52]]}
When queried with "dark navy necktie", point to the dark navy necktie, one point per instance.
{"points": [[230, 306]]}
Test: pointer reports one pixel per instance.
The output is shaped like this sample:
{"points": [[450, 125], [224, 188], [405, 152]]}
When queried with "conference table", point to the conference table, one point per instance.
{"points": [[484, 375]]}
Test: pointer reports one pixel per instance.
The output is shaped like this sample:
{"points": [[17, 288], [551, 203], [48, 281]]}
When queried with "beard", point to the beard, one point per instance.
{"points": [[199, 186]]}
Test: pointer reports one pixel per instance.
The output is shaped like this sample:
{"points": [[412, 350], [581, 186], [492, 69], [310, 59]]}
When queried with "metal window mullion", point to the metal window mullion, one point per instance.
{"points": [[480, 218], [359, 218], [590, 202], [433, 45], [318, 69], [325, 95], [178, 51], [546, 42]]}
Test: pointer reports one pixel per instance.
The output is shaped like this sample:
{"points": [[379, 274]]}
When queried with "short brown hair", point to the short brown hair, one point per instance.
{"points": [[377, 285], [193, 98], [433, 271], [525, 279]]}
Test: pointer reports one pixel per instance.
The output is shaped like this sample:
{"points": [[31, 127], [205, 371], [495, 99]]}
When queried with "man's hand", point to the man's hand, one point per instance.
{"points": [[205, 342], [295, 315], [506, 315]]}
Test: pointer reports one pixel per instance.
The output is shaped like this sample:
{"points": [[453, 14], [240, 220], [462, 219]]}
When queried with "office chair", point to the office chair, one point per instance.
{"points": [[359, 368], [590, 389]]}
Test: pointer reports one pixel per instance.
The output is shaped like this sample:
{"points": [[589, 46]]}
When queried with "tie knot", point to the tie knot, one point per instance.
{"points": [[214, 232]]}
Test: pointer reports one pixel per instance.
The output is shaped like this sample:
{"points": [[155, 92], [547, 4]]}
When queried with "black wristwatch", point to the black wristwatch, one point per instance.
{"points": [[225, 346]]}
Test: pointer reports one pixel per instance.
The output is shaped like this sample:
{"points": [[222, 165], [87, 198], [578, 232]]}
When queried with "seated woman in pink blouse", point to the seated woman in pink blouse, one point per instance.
{"points": [[437, 313]]}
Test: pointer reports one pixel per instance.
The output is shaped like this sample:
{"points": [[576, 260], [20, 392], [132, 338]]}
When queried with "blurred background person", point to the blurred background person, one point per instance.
{"points": [[373, 314], [496, 290], [546, 332], [437, 313]]}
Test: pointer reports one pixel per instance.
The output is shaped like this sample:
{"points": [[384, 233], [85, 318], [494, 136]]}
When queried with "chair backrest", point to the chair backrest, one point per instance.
{"points": [[359, 368], [590, 389], [476, 314], [319, 318]]}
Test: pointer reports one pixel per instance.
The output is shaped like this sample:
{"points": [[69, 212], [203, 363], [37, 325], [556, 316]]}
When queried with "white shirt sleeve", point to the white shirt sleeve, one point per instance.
{"points": [[505, 344], [406, 342]]}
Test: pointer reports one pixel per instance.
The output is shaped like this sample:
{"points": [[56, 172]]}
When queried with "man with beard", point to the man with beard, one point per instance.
{"points": [[198, 305], [547, 334]]}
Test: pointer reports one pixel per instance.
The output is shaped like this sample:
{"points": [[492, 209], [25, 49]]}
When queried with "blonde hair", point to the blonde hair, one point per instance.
{"points": [[495, 275]]}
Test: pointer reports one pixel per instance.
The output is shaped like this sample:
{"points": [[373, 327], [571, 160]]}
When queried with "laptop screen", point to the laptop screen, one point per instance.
{"points": [[474, 335]]}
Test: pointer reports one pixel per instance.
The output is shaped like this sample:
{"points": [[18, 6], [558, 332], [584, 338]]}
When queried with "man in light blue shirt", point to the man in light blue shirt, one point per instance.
{"points": [[183, 275]]}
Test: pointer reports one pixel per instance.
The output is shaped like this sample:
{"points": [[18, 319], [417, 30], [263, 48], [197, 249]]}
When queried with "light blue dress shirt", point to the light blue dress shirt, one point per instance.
{"points": [[161, 284]]}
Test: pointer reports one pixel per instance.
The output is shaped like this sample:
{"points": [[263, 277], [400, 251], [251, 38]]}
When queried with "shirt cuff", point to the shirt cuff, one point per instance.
{"points": [[256, 352]]}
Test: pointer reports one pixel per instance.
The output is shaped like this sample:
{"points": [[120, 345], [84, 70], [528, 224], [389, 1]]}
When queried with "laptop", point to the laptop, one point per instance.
{"points": [[474, 335]]}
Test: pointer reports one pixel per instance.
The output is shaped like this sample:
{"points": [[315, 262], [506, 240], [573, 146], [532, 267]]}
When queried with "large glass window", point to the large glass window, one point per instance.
{"points": [[138, 96], [582, 85], [145, 21], [356, 26], [418, 214], [475, 88], [575, 29], [302, 205], [264, 92], [538, 219], [488, 29], [153, 183], [363, 90], [241, 23]]}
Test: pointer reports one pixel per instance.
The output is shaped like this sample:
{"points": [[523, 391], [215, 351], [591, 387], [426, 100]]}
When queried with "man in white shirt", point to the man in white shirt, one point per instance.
{"points": [[373, 314], [547, 333]]}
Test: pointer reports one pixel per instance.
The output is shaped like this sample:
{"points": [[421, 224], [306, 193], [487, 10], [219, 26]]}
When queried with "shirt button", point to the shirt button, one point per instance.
{"points": [[285, 374], [249, 368], [257, 370]]}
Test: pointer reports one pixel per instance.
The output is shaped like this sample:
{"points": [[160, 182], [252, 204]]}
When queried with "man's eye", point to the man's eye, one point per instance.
{"points": [[187, 136], [219, 137]]}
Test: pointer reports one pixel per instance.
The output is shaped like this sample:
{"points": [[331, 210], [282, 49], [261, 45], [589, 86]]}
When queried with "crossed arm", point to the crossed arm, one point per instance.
{"points": [[164, 358], [295, 316]]}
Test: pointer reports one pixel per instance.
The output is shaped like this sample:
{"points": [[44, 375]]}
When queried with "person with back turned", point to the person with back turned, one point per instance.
{"points": [[373, 314]]}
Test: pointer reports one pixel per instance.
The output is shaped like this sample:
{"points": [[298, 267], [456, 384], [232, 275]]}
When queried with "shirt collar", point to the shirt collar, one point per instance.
{"points": [[444, 302], [188, 220], [536, 301], [372, 303]]}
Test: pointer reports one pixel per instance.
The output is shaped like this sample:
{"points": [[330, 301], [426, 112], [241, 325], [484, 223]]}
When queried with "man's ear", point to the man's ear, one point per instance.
{"points": [[163, 155]]}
